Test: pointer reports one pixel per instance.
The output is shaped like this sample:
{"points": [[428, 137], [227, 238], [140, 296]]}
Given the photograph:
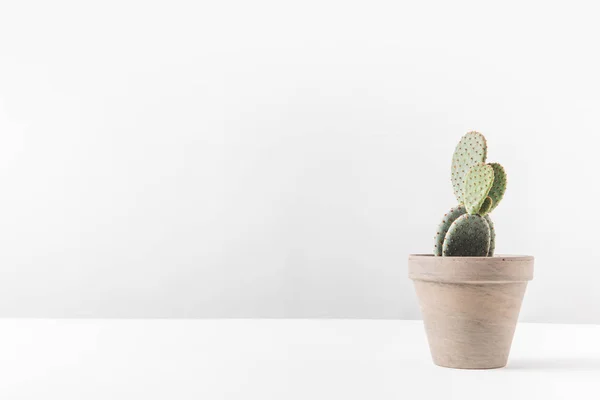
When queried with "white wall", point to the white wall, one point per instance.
{"points": [[278, 159]]}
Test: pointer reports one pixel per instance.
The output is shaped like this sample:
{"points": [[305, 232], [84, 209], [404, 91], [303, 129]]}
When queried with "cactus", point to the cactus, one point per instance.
{"points": [[478, 183], [469, 236], [499, 187], [467, 229], [471, 150], [492, 236], [447, 221], [486, 206]]}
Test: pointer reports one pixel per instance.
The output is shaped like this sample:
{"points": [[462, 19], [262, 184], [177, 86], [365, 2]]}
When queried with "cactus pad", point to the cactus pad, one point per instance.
{"points": [[478, 182], [471, 150], [448, 219], [468, 236], [486, 206], [492, 236], [499, 186]]}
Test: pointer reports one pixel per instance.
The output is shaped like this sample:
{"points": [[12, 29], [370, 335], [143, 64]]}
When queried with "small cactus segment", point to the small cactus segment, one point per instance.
{"points": [[448, 219], [478, 182], [486, 206], [499, 186], [471, 150], [468, 236], [492, 236]]}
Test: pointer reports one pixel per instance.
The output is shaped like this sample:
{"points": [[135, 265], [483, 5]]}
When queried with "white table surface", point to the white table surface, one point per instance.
{"points": [[280, 359]]}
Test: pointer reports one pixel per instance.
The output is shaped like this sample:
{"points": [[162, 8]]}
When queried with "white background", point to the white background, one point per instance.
{"points": [[282, 159]]}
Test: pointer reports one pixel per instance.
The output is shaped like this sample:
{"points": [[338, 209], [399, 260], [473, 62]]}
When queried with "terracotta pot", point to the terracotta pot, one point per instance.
{"points": [[470, 306]]}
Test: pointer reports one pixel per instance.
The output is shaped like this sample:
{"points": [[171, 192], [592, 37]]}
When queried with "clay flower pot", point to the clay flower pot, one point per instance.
{"points": [[470, 306]]}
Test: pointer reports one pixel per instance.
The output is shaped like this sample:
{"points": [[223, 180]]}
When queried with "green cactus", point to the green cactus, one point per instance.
{"points": [[468, 236], [467, 229], [471, 150], [486, 206], [447, 221], [478, 183], [492, 236], [499, 187]]}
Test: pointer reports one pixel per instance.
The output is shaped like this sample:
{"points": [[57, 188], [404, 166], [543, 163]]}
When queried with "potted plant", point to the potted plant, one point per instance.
{"points": [[470, 298]]}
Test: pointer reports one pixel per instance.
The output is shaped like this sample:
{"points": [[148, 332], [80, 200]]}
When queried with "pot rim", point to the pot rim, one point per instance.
{"points": [[477, 270]]}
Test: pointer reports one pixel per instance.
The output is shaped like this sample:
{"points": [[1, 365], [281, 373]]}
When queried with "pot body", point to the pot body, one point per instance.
{"points": [[470, 306]]}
